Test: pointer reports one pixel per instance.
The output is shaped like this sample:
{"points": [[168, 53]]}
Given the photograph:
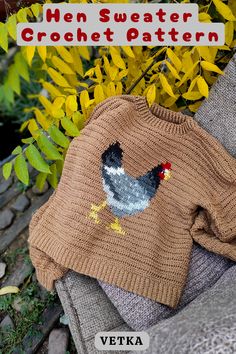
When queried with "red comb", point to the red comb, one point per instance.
{"points": [[166, 166]]}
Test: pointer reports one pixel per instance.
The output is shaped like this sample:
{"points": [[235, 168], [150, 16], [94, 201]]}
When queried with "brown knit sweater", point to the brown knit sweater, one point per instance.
{"points": [[138, 186]]}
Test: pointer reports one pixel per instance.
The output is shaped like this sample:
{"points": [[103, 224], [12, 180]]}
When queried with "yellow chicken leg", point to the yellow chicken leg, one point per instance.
{"points": [[116, 226], [95, 209]]}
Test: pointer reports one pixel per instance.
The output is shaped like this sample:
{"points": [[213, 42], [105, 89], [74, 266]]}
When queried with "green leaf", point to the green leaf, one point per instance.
{"points": [[6, 170], [58, 137], [13, 79], [3, 37], [35, 159], [8, 93], [17, 150], [70, 127], [11, 26], [59, 164], [40, 180], [28, 140], [21, 169], [52, 179], [21, 66], [48, 148]]}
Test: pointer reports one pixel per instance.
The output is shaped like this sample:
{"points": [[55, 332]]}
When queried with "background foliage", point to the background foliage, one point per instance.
{"points": [[62, 85]]}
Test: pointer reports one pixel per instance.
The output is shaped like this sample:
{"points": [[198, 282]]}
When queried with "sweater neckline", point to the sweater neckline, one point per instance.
{"points": [[163, 118]]}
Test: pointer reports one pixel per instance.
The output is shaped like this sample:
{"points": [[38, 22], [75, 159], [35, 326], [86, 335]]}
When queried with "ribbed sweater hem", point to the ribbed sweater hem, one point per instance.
{"points": [[154, 289]]}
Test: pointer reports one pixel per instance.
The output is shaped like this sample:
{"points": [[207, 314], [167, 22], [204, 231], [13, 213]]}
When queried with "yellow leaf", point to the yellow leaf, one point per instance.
{"points": [[33, 128], [187, 61], [111, 90], [193, 83], [3, 37], [9, 290], [65, 54], [41, 119], [232, 5], [29, 12], [11, 26], [84, 52], [122, 74], [36, 9], [58, 102], [72, 91], [224, 47], [23, 126], [211, 67], [57, 78], [89, 72], [71, 104], [170, 101], [166, 86], [54, 92], [175, 60], [151, 94], [202, 86], [58, 113], [128, 51], [77, 63], [195, 106], [42, 50], [62, 66], [224, 10], [98, 73], [209, 78], [192, 95], [205, 53], [172, 70], [187, 74], [229, 32], [119, 88], [116, 58], [113, 72], [29, 51], [46, 103], [78, 119], [213, 51], [22, 15], [204, 17], [98, 94], [106, 64], [84, 99]]}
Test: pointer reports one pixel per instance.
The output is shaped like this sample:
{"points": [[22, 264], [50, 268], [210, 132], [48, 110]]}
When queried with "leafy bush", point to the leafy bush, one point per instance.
{"points": [[74, 79]]}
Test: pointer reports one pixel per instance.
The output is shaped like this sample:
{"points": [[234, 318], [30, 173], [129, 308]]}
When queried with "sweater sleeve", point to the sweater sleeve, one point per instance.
{"points": [[47, 270], [214, 227]]}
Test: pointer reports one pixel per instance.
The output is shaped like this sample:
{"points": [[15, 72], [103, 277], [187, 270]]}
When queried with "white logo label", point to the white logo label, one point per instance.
{"points": [[122, 341]]}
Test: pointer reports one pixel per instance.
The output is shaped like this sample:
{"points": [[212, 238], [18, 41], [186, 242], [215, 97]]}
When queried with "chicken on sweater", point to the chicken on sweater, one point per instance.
{"points": [[126, 195]]}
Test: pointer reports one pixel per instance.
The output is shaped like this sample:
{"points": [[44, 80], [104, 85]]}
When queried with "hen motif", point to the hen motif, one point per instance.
{"points": [[126, 195]]}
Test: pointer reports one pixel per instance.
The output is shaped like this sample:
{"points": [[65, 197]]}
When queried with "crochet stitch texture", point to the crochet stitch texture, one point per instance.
{"points": [[174, 182]]}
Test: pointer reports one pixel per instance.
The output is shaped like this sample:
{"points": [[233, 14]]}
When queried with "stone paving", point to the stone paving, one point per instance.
{"points": [[16, 208]]}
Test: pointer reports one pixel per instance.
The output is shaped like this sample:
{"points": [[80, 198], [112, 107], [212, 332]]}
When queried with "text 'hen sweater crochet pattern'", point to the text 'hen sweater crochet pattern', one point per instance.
{"points": [[139, 185]]}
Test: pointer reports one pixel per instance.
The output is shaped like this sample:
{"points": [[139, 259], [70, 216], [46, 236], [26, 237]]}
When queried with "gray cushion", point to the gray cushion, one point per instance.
{"points": [[217, 115], [206, 326], [88, 309]]}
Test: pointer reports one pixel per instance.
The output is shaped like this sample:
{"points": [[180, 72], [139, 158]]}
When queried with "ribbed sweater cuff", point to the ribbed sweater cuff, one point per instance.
{"points": [[45, 279], [47, 270]]}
